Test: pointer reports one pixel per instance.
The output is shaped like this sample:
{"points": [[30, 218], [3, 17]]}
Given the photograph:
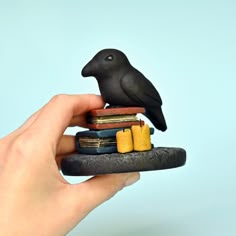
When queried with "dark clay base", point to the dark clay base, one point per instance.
{"points": [[156, 159]]}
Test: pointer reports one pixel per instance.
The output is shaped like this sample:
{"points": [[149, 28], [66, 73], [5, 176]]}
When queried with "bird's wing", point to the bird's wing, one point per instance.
{"points": [[140, 89]]}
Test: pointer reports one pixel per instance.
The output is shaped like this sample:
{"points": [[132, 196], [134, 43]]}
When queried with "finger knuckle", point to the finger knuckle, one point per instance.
{"points": [[59, 98], [23, 144]]}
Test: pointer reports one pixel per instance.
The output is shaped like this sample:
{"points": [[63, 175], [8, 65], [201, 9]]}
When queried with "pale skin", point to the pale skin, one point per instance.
{"points": [[35, 199]]}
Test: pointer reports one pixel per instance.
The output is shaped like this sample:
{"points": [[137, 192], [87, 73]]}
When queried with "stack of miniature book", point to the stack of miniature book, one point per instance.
{"points": [[114, 130]]}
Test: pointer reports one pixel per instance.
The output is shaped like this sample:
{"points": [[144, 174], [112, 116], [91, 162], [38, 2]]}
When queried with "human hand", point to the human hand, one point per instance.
{"points": [[35, 199]]}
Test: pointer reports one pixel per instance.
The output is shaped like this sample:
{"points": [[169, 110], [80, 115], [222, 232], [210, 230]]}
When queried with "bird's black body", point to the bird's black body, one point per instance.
{"points": [[121, 84]]}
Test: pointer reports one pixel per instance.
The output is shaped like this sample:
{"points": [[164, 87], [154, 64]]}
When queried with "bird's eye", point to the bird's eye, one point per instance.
{"points": [[109, 58]]}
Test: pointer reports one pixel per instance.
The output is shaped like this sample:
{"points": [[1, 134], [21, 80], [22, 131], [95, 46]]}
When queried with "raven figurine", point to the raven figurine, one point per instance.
{"points": [[121, 84]]}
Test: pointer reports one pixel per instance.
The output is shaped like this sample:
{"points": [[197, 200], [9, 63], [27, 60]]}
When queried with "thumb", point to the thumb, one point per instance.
{"points": [[95, 191]]}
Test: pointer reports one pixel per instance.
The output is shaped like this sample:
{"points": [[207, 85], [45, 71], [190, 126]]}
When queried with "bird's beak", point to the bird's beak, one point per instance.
{"points": [[89, 69]]}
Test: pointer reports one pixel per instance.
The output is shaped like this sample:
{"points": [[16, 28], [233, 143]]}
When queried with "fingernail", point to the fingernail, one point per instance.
{"points": [[132, 178]]}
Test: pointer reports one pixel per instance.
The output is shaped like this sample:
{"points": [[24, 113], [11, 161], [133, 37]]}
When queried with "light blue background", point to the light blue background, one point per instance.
{"points": [[187, 49]]}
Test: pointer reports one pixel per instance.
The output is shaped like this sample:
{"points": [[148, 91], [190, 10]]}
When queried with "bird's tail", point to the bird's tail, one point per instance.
{"points": [[155, 115]]}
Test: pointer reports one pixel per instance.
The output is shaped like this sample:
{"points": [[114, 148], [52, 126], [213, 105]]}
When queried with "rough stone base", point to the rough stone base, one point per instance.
{"points": [[157, 159]]}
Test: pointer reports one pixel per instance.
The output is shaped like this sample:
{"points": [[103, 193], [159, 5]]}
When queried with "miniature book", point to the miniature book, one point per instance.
{"points": [[111, 118]]}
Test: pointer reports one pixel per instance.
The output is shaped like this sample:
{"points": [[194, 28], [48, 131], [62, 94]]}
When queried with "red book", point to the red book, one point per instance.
{"points": [[110, 118], [116, 111]]}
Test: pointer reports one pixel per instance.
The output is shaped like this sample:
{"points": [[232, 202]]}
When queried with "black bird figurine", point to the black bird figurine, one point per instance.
{"points": [[121, 84]]}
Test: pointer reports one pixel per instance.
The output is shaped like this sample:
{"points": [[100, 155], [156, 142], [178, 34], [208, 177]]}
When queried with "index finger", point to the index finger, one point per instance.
{"points": [[56, 116]]}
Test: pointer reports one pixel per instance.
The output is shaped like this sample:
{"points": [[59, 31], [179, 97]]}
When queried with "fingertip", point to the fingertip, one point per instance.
{"points": [[132, 179]]}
